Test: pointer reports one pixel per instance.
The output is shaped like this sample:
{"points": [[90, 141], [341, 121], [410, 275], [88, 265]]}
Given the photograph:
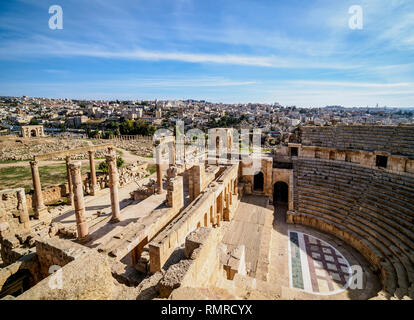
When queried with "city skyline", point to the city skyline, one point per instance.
{"points": [[301, 53]]}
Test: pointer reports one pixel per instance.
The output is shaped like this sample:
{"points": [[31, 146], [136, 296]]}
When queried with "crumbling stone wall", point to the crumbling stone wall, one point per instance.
{"points": [[14, 217], [216, 203], [55, 251], [202, 266], [248, 170], [85, 278]]}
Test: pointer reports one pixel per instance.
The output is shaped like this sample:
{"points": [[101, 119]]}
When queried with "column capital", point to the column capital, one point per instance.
{"points": [[110, 157], [91, 152], [75, 165], [34, 163]]}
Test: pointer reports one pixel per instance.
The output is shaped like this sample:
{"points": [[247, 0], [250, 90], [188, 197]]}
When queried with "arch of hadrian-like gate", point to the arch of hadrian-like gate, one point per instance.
{"points": [[216, 222], [32, 131]]}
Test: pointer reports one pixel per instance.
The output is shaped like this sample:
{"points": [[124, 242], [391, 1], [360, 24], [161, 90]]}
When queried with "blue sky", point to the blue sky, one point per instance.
{"points": [[297, 52]]}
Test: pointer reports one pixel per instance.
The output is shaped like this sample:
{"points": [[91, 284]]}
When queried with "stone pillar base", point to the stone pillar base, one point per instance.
{"points": [[41, 214], [70, 200], [84, 239], [93, 190], [115, 220]]}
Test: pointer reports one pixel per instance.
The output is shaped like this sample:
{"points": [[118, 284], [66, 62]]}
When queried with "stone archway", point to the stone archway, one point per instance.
{"points": [[280, 192], [33, 133], [258, 181]]}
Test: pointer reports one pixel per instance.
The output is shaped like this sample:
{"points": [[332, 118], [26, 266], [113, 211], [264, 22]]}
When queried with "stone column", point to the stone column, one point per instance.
{"points": [[23, 212], [82, 226], [171, 153], [94, 185], [113, 186], [158, 161], [40, 208], [70, 191]]}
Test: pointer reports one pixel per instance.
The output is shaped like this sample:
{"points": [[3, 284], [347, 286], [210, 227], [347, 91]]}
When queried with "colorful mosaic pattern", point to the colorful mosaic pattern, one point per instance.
{"points": [[315, 266]]}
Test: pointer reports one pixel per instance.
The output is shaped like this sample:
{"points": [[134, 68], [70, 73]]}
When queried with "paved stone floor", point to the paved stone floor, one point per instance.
{"points": [[101, 202], [251, 227], [308, 264], [315, 266]]}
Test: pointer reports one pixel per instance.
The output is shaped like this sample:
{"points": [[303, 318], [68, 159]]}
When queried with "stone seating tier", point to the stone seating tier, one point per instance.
{"points": [[393, 139], [370, 209]]}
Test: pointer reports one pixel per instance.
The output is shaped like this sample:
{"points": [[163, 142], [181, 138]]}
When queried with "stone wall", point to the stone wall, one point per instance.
{"points": [[14, 216], [28, 262], [398, 140], [57, 251], [248, 170], [367, 159], [202, 266], [88, 277], [216, 203]]}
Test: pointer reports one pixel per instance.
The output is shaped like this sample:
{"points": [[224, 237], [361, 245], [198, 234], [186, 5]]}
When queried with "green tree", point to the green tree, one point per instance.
{"points": [[103, 166], [34, 122]]}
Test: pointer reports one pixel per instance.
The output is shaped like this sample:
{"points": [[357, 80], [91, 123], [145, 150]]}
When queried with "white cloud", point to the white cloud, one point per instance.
{"points": [[355, 84]]}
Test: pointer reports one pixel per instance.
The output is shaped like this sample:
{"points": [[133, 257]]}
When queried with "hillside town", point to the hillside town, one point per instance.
{"points": [[105, 119]]}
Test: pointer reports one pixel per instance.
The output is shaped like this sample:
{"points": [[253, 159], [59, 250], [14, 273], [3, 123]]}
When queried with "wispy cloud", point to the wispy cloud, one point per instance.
{"points": [[356, 84], [45, 47]]}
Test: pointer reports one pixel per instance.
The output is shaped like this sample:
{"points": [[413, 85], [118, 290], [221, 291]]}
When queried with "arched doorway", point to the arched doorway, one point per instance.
{"points": [[33, 133], [280, 192], [258, 181]]}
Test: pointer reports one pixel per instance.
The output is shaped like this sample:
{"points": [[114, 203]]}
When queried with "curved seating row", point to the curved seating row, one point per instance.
{"points": [[393, 139], [371, 209]]}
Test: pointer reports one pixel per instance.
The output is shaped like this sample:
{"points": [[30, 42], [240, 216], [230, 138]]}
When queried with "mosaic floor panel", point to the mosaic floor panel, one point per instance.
{"points": [[315, 266]]}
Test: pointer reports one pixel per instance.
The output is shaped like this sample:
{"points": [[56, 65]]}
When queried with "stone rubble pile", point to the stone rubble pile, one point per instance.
{"points": [[139, 147], [144, 191]]}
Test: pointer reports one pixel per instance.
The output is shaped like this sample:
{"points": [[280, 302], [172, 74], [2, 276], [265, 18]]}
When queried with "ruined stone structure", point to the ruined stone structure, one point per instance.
{"points": [[209, 229], [32, 131]]}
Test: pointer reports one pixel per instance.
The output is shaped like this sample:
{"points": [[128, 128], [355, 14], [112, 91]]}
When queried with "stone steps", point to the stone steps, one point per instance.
{"points": [[394, 275], [373, 209]]}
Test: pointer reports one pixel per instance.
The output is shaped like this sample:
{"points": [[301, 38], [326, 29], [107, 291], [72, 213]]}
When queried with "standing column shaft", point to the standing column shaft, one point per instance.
{"points": [[158, 161], [82, 226], [171, 151], [24, 214], [113, 186], [94, 184], [70, 191], [40, 208]]}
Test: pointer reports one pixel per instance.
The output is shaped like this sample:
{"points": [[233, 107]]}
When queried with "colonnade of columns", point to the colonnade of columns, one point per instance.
{"points": [[76, 191]]}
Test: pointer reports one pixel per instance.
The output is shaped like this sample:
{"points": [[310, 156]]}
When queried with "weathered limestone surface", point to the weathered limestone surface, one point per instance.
{"points": [[14, 216], [113, 186], [201, 269], [40, 209], [32, 131], [28, 261], [206, 210], [94, 282], [57, 251]]}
